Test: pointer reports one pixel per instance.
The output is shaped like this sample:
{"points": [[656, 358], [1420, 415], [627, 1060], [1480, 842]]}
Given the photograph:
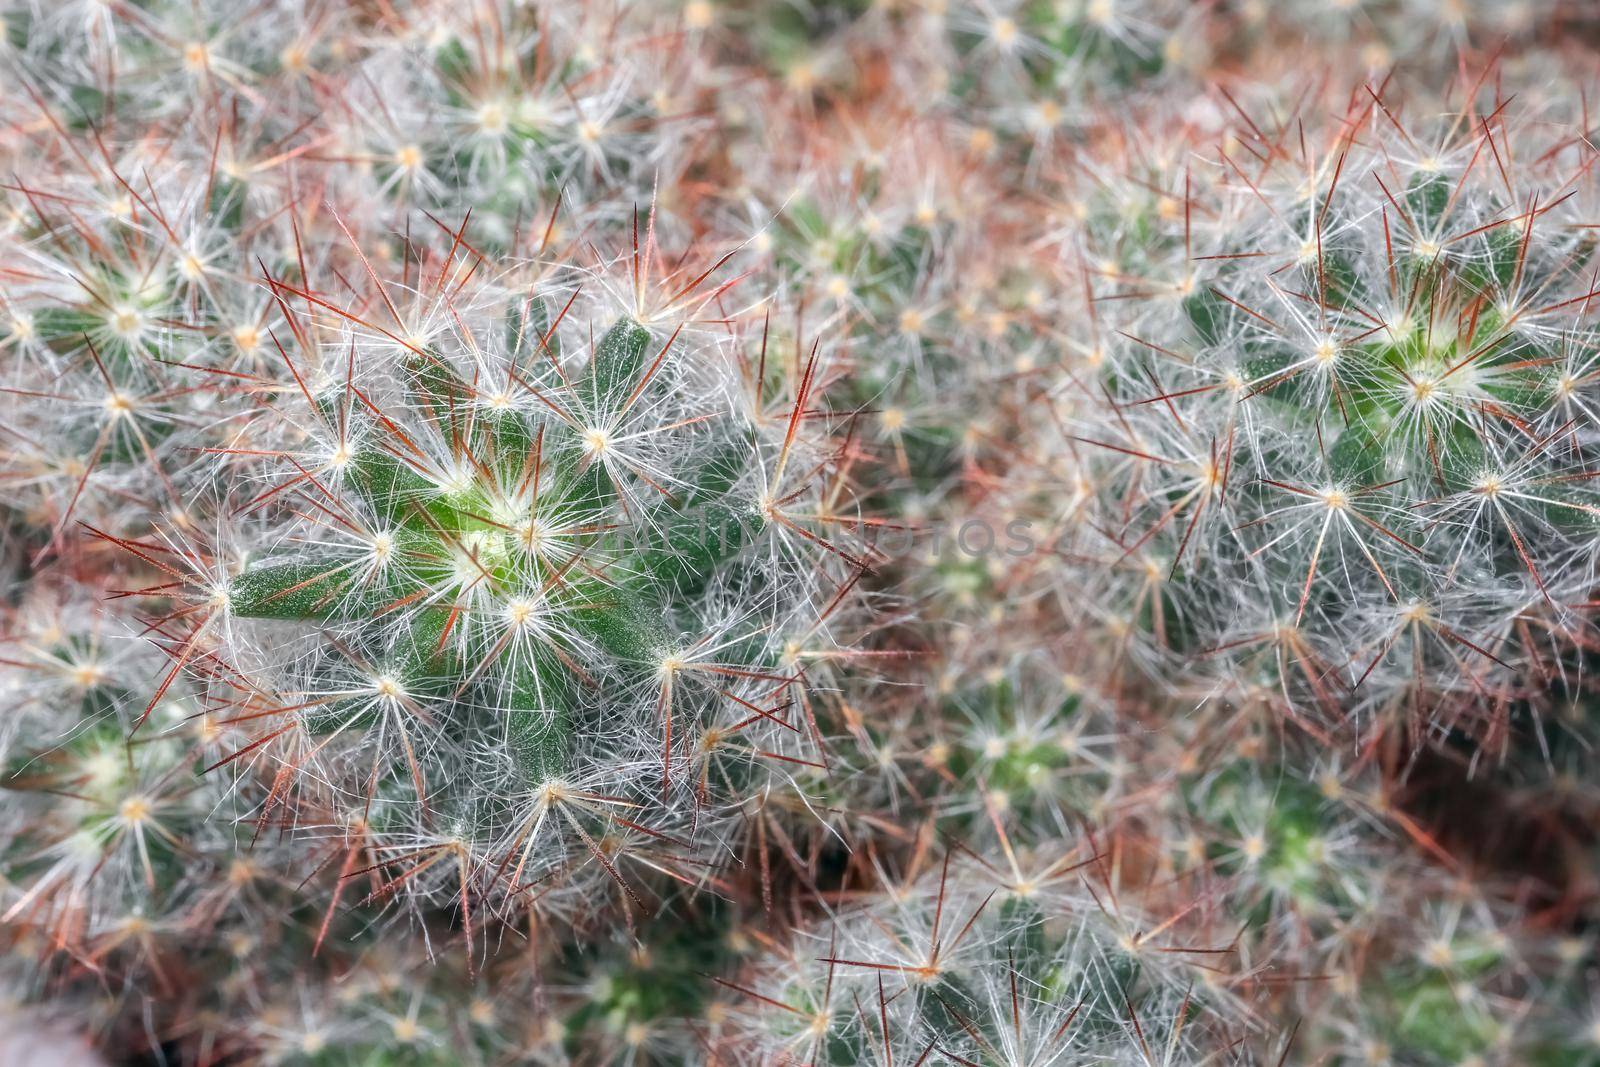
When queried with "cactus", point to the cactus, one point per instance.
{"points": [[968, 961], [519, 616], [499, 110], [1345, 465]]}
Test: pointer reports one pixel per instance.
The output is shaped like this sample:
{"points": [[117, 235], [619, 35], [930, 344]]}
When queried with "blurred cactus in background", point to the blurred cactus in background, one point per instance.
{"points": [[780, 533]]}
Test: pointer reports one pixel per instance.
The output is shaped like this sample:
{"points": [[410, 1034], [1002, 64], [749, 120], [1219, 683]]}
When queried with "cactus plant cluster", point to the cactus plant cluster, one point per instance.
{"points": [[776, 533]]}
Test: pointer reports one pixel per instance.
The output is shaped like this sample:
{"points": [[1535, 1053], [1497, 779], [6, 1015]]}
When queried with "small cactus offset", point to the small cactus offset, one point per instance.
{"points": [[1002, 959], [799, 533]]}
